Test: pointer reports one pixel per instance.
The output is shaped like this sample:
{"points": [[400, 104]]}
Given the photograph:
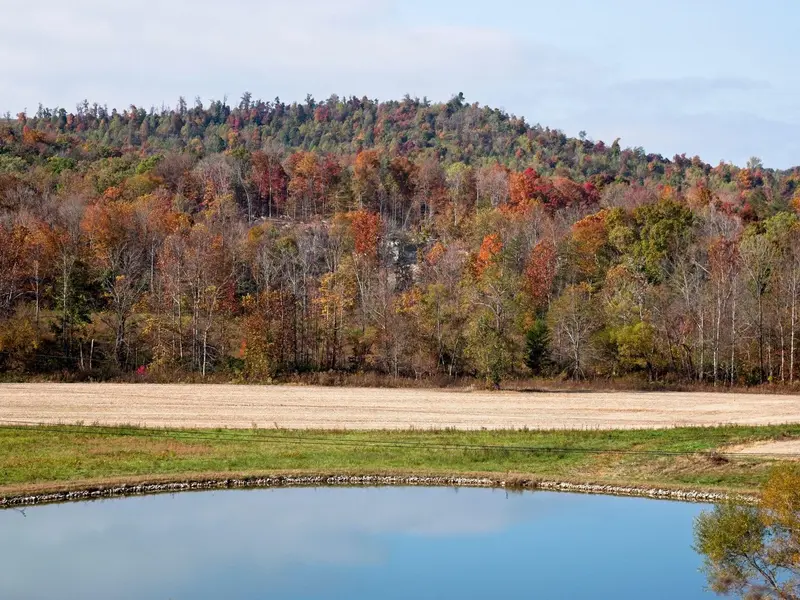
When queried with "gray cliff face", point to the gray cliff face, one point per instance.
{"points": [[404, 254]]}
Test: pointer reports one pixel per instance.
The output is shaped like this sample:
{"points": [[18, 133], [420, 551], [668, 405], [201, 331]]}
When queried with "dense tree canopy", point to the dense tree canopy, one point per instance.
{"points": [[405, 238]]}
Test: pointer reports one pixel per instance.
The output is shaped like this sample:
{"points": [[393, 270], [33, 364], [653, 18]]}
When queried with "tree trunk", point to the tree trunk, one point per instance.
{"points": [[205, 350], [64, 293], [733, 339], [119, 342], [717, 329], [36, 291], [791, 336], [783, 353], [702, 341], [761, 334]]}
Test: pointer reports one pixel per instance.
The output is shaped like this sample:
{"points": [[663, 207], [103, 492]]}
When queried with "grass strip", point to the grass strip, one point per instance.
{"points": [[56, 457]]}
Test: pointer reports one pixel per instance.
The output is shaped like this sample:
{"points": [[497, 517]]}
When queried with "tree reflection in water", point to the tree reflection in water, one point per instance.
{"points": [[753, 550]]}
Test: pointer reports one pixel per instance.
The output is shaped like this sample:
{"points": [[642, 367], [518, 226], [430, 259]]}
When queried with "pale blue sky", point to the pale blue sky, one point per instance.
{"points": [[710, 77]]}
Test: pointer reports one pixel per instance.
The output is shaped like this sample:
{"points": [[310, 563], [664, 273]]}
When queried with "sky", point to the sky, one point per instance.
{"points": [[714, 78]]}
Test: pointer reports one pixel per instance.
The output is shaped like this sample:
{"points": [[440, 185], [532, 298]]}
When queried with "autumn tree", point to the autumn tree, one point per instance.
{"points": [[18, 337], [590, 253], [461, 183], [783, 231], [366, 180], [493, 340], [13, 241], [628, 309], [270, 180], [525, 188], [758, 262], [491, 186], [573, 320], [71, 287], [198, 269], [443, 308], [367, 229], [117, 247], [431, 189], [540, 273], [401, 187], [753, 550], [261, 343], [724, 263]]}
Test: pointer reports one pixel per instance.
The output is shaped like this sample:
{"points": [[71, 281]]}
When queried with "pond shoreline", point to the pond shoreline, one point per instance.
{"points": [[122, 490]]}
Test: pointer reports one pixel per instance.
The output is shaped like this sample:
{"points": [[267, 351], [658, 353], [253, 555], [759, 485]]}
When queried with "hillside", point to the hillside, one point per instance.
{"points": [[404, 238]]}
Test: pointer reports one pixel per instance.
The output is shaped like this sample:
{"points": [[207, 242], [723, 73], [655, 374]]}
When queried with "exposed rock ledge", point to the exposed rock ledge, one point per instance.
{"points": [[138, 489]]}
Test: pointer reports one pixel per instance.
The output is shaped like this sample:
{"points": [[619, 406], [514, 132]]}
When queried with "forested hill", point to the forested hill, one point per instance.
{"points": [[452, 132], [404, 237]]}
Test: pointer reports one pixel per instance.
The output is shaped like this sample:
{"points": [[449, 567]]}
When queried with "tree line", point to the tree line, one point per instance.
{"points": [[405, 238]]}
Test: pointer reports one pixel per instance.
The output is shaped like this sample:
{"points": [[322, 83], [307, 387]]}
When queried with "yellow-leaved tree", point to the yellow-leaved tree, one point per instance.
{"points": [[753, 550]]}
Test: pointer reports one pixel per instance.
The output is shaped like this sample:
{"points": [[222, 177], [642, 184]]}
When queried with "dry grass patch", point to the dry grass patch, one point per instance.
{"points": [[132, 445]]}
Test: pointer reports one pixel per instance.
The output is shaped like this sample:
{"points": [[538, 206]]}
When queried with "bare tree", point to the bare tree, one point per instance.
{"points": [[758, 261], [573, 319]]}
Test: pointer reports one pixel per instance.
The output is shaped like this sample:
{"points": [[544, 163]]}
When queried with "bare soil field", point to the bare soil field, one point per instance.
{"points": [[789, 449], [299, 407]]}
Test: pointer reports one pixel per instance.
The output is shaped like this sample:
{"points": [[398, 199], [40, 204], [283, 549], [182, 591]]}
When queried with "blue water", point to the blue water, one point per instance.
{"points": [[354, 544]]}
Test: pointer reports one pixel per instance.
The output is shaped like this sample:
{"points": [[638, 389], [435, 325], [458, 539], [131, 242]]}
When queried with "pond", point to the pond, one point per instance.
{"points": [[353, 543]]}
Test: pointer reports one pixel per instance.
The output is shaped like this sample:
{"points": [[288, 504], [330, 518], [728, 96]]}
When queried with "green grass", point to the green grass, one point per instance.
{"points": [[59, 457]]}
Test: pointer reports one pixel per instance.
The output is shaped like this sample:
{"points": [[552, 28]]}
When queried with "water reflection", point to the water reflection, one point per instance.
{"points": [[352, 543]]}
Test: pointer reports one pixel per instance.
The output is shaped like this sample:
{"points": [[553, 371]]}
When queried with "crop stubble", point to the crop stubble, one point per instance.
{"points": [[309, 407]]}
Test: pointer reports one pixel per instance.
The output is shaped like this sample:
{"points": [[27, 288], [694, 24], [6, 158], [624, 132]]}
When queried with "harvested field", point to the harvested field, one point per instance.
{"points": [[297, 407], [788, 449]]}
